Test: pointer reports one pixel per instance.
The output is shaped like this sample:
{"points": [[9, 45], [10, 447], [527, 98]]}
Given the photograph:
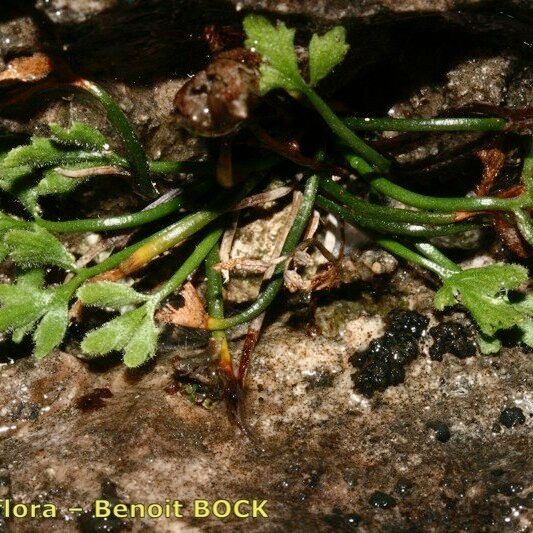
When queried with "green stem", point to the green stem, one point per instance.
{"points": [[257, 308], [525, 225], [160, 167], [527, 169], [386, 187], [405, 253], [181, 167], [90, 159], [168, 238], [89, 272], [108, 157], [163, 167], [385, 213], [184, 228], [215, 307], [134, 150], [273, 287], [426, 124], [392, 227], [132, 220], [420, 201], [113, 260], [108, 264], [214, 293], [190, 264], [435, 255], [343, 132]]}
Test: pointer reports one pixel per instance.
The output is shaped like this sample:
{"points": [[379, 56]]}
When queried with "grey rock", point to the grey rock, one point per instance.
{"points": [[19, 36], [310, 434], [72, 11], [345, 9]]}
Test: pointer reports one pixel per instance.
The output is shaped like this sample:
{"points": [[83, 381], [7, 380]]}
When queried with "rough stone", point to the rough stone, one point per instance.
{"points": [[153, 444], [70, 11], [338, 9]]}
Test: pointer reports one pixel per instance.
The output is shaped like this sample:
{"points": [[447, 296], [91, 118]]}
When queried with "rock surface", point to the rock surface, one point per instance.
{"points": [[318, 448], [341, 9]]}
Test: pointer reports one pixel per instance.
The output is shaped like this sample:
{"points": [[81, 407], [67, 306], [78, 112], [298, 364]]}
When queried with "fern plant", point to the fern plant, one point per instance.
{"points": [[496, 296]]}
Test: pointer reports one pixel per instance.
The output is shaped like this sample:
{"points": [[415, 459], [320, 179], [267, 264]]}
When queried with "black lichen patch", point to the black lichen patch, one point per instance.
{"points": [[340, 521], [381, 500], [408, 323], [512, 416], [442, 431], [451, 337], [382, 363]]}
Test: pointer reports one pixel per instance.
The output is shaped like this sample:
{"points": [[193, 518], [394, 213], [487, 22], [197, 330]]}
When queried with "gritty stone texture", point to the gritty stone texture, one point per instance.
{"points": [[19, 36], [148, 108], [479, 80], [317, 445], [338, 9], [359, 332], [474, 81], [69, 11], [520, 91]]}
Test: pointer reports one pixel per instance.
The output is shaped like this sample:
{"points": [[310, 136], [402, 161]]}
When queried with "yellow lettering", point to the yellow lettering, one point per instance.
{"points": [[34, 508], [49, 510], [258, 508], [154, 510], [224, 504], [137, 507], [20, 510], [237, 507], [120, 510], [177, 506], [201, 508], [102, 509]]}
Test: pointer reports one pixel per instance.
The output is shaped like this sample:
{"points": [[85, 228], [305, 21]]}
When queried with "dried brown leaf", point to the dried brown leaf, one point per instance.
{"points": [[492, 160], [105, 170], [191, 314], [328, 278], [29, 69], [510, 235], [312, 226], [263, 198]]}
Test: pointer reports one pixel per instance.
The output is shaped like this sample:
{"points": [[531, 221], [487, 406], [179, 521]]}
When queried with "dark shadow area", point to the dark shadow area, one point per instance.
{"points": [[11, 352], [142, 41]]}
